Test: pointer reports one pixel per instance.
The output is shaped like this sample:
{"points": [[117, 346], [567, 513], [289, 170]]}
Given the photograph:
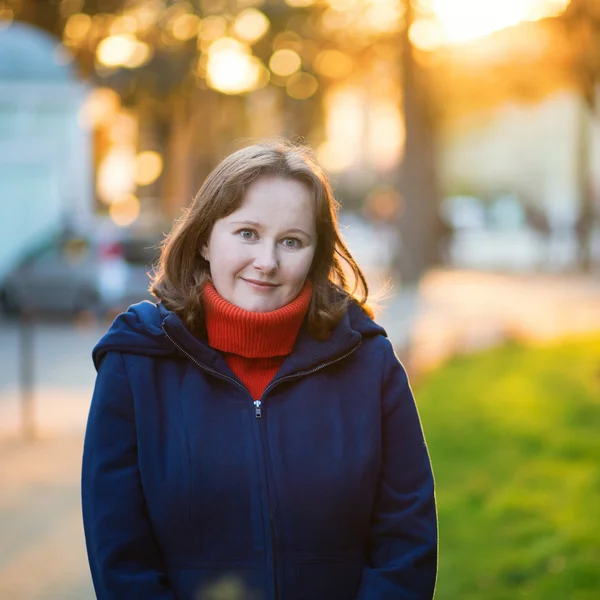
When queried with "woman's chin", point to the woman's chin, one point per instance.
{"points": [[258, 304]]}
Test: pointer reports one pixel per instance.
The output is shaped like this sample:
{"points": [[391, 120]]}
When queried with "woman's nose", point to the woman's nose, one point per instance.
{"points": [[265, 258]]}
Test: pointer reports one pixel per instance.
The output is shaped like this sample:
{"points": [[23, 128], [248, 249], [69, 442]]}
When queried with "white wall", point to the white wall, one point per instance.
{"points": [[528, 148], [46, 168]]}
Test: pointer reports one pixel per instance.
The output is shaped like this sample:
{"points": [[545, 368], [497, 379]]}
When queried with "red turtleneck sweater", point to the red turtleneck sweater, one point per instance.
{"points": [[254, 344]]}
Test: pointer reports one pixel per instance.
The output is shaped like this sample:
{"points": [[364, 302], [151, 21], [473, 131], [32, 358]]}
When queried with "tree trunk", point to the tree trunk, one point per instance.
{"points": [[419, 220]]}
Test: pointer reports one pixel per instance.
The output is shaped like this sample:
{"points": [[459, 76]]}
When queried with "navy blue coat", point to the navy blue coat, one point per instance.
{"points": [[321, 490]]}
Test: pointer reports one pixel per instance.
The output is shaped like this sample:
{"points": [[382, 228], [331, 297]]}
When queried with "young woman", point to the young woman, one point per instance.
{"points": [[254, 431]]}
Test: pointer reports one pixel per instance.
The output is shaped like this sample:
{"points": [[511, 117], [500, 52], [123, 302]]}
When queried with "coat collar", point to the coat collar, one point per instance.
{"points": [[307, 354]]}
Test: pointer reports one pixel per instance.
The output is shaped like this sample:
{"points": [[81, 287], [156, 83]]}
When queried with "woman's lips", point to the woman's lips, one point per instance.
{"points": [[260, 285]]}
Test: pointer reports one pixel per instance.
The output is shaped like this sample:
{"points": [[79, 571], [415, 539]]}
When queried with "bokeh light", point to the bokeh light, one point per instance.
{"points": [[251, 25], [125, 210], [284, 62], [185, 26], [287, 39], [123, 24], [232, 69], [383, 16], [116, 174], [299, 3], [148, 167], [99, 106], [213, 28], [335, 157], [384, 202], [77, 26], [385, 134], [426, 34], [334, 64], [301, 86], [116, 49]]}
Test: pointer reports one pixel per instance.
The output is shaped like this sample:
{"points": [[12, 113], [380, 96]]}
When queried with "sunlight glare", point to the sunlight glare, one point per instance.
{"points": [[232, 69], [464, 20]]}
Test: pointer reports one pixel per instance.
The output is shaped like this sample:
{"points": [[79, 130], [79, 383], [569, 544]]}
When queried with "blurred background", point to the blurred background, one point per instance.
{"points": [[463, 141]]}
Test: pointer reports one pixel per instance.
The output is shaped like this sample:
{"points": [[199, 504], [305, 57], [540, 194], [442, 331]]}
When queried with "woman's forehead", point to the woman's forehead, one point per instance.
{"points": [[276, 200]]}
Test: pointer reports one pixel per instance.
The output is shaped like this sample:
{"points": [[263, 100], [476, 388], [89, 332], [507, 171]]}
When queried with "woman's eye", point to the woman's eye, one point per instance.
{"points": [[292, 243], [247, 234]]}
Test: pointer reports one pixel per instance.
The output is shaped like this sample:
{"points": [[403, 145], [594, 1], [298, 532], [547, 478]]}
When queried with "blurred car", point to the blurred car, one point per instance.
{"points": [[72, 272]]}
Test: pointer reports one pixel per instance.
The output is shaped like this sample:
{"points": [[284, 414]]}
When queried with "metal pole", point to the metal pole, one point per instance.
{"points": [[26, 375]]}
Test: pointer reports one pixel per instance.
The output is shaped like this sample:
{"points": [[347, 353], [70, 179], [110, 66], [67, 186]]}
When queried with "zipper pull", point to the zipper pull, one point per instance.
{"points": [[258, 409]]}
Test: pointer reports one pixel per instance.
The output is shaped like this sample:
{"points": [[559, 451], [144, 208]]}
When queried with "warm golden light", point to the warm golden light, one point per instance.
{"points": [[125, 210], [142, 53], [232, 69], [213, 28], [77, 26], [100, 105], [284, 62], [123, 24], [427, 34], [464, 20], [385, 135], [287, 39], [116, 49], [123, 50], [337, 20], [335, 157], [299, 3], [344, 128], [68, 7], [251, 25], [383, 16], [333, 64], [345, 4], [116, 175], [301, 86], [185, 26], [148, 167]]}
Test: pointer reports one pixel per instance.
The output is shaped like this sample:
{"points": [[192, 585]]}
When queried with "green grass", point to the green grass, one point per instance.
{"points": [[514, 437]]}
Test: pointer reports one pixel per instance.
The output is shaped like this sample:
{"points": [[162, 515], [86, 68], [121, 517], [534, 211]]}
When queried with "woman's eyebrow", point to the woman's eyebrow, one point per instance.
{"points": [[251, 223]]}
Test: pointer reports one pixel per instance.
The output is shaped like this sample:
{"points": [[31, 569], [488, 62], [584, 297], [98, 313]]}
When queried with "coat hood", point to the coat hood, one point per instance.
{"points": [[150, 329]]}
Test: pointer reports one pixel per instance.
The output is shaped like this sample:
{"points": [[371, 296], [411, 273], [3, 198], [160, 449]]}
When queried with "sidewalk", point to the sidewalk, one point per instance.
{"points": [[463, 311], [42, 548], [42, 552]]}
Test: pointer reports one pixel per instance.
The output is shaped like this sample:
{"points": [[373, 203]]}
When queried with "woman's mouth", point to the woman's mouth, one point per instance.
{"points": [[260, 285]]}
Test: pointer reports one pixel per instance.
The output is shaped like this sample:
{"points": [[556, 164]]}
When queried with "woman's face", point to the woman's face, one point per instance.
{"points": [[261, 253]]}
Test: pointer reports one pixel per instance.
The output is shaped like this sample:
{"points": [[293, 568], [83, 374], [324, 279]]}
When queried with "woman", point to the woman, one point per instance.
{"points": [[254, 431]]}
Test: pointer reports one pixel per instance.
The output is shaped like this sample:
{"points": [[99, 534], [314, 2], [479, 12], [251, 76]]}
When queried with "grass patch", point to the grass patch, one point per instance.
{"points": [[514, 437]]}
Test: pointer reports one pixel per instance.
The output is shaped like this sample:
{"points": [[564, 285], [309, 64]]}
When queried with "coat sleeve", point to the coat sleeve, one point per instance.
{"points": [[124, 558], [403, 531]]}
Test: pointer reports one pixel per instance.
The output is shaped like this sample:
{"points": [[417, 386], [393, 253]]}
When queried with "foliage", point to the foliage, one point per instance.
{"points": [[513, 435]]}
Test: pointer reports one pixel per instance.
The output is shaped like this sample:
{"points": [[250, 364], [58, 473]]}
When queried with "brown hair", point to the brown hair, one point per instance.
{"points": [[182, 271]]}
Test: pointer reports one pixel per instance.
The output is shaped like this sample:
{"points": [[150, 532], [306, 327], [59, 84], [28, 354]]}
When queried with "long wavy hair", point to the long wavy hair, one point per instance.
{"points": [[182, 272]]}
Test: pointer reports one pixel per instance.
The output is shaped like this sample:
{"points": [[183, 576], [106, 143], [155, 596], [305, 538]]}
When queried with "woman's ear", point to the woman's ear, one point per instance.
{"points": [[204, 252]]}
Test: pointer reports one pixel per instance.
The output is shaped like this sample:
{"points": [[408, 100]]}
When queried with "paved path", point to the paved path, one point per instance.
{"points": [[42, 548], [42, 553]]}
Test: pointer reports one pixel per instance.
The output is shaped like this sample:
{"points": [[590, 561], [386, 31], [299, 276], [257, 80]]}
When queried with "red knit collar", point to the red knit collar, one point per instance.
{"points": [[234, 330]]}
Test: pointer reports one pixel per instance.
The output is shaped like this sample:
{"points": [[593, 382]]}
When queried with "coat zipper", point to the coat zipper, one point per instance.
{"points": [[258, 415], [258, 403]]}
